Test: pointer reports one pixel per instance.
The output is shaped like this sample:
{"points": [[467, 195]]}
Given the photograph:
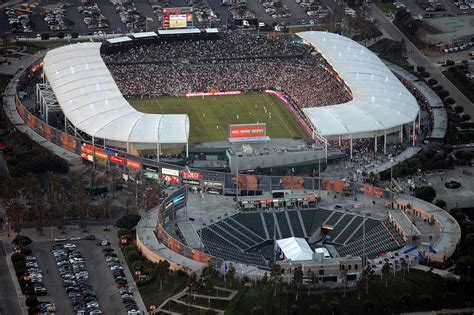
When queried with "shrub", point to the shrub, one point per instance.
{"points": [[257, 310], [19, 265], [440, 203], [122, 232], [60, 35], [74, 35], [133, 256], [425, 74], [128, 221], [466, 117], [432, 82], [437, 88], [450, 62], [44, 36], [459, 109], [16, 257], [449, 101], [426, 193], [32, 301], [21, 240], [420, 69], [443, 93], [447, 148]]}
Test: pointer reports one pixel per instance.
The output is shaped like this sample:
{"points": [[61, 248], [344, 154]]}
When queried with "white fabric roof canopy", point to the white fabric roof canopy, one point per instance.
{"points": [[295, 248], [92, 101], [380, 101]]}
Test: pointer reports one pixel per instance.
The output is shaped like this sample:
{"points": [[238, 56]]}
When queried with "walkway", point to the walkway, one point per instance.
{"points": [[13, 116], [408, 153], [419, 59]]}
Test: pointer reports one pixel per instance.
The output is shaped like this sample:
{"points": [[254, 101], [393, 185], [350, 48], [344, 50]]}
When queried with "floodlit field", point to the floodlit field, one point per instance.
{"points": [[210, 117]]}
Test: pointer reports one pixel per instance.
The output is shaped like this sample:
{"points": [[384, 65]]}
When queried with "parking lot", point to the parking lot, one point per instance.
{"points": [[99, 276]]}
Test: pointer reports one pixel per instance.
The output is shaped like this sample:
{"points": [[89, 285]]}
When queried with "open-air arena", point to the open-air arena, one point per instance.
{"points": [[237, 127]]}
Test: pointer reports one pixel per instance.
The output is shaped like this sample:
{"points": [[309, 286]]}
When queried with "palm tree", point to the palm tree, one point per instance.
{"points": [[127, 203], [15, 212], [106, 204], [34, 196], [113, 176]]}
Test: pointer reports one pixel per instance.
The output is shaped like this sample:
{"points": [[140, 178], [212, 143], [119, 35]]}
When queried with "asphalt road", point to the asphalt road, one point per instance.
{"points": [[9, 303], [100, 277], [419, 59]]}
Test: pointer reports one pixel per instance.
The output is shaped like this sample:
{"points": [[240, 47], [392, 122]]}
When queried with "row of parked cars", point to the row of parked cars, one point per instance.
{"points": [[128, 13], [35, 275], [121, 280], [19, 21], [465, 46], [276, 10], [55, 19], [75, 279], [93, 17]]}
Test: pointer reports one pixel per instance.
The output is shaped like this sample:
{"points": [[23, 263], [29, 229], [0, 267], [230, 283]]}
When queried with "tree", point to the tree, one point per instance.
{"points": [[257, 310], [192, 280], [447, 148], [459, 109], [15, 212], [61, 35], [298, 275], [35, 200], [74, 35], [334, 306], [440, 203], [294, 309], [314, 310], [310, 274], [426, 193], [231, 273], [32, 301], [426, 300], [106, 204], [128, 221], [369, 305], [405, 300], [275, 275], [113, 176], [44, 36], [386, 271], [21, 241]]}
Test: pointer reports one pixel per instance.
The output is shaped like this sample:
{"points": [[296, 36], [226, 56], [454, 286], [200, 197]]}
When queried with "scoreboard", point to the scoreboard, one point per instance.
{"points": [[176, 18]]}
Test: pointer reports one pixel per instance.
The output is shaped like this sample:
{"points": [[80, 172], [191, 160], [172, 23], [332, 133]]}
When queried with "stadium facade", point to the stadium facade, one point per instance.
{"points": [[92, 102]]}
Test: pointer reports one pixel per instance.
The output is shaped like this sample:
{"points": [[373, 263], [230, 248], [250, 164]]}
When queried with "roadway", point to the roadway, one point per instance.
{"points": [[9, 303], [419, 59]]}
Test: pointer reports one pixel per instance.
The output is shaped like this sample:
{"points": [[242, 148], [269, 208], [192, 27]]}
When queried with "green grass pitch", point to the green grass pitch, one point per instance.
{"points": [[211, 116]]}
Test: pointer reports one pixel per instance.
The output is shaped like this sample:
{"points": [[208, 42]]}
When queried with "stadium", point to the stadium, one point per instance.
{"points": [[151, 91], [123, 103]]}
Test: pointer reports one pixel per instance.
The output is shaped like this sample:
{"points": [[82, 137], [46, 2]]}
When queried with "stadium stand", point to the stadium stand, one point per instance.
{"points": [[378, 239], [346, 230], [250, 221], [339, 226], [295, 224], [313, 219], [282, 223]]}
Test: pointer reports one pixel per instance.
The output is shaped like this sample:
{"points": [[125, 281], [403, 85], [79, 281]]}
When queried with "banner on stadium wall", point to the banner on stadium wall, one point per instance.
{"points": [[134, 164], [169, 178], [116, 159], [213, 93], [190, 175], [169, 171], [248, 132]]}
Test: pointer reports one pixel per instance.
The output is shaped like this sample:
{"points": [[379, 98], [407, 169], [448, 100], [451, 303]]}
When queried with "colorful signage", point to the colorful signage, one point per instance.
{"points": [[169, 171], [176, 18], [190, 175], [116, 159], [134, 164], [171, 179], [248, 131], [213, 93]]}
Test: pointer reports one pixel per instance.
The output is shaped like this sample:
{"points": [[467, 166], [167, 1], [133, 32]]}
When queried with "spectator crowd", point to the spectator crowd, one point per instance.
{"points": [[235, 62]]}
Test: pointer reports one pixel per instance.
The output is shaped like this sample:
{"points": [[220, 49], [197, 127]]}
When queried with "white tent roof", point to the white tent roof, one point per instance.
{"points": [[380, 101], [91, 100], [295, 248], [117, 40]]}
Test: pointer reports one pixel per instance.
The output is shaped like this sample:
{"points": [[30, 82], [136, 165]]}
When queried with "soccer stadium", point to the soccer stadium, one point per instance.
{"points": [[123, 103], [175, 88]]}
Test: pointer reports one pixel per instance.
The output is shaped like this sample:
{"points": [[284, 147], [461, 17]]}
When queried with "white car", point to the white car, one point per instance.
{"points": [[75, 238], [60, 239]]}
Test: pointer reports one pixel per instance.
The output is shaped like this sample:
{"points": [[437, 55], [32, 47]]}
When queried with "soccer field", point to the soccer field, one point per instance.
{"points": [[211, 116]]}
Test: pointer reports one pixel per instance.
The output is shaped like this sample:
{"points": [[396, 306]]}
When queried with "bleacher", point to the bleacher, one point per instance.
{"points": [[283, 224], [334, 218], [313, 219], [269, 222], [226, 253], [347, 231], [223, 232], [369, 224], [243, 233], [340, 225], [295, 224], [377, 240], [252, 221]]}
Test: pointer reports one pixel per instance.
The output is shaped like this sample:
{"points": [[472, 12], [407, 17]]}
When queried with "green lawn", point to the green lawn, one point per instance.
{"points": [[464, 85], [151, 293], [386, 7], [210, 117]]}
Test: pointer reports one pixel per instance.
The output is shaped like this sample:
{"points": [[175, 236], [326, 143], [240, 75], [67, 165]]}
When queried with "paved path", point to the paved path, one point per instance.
{"points": [[9, 303], [419, 59]]}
